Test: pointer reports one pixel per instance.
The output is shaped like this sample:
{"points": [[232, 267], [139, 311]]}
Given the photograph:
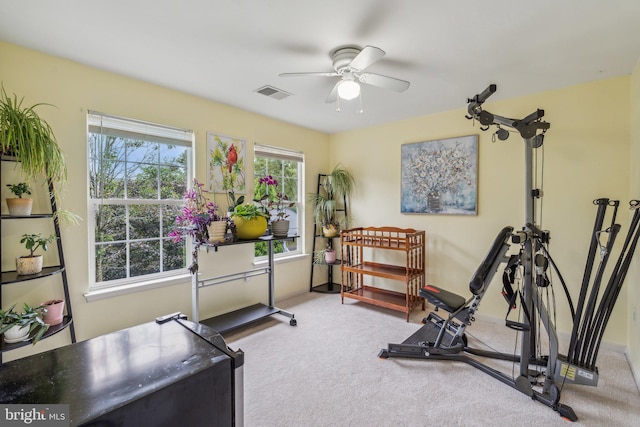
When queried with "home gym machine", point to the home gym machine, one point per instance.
{"points": [[444, 338]]}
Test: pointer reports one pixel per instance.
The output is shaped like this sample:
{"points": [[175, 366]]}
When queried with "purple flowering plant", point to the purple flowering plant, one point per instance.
{"points": [[197, 214], [267, 195]]}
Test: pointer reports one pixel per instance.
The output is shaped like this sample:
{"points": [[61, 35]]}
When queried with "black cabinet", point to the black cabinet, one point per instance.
{"points": [[175, 373]]}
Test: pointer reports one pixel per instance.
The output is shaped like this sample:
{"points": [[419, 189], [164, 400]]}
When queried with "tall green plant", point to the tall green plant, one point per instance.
{"points": [[30, 139], [337, 184]]}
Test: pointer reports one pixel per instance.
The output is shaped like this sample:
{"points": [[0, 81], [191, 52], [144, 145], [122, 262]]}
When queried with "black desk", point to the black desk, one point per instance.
{"points": [[176, 373], [232, 320]]}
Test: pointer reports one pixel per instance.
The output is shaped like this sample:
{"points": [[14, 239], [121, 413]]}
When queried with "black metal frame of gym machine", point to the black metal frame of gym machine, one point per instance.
{"points": [[531, 238]]}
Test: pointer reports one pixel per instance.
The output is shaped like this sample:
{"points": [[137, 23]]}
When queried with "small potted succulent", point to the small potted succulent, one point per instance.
{"points": [[18, 327], [32, 263], [19, 206]]}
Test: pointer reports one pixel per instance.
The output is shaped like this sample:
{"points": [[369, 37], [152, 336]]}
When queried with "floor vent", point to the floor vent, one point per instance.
{"points": [[273, 92]]}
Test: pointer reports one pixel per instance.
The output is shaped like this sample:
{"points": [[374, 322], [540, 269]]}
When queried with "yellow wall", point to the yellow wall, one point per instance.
{"points": [[585, 157], [74, 89], [633, 280]]}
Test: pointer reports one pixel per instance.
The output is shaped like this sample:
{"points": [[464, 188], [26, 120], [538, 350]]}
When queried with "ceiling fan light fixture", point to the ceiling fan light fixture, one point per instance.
{"points": [[348, 90]]}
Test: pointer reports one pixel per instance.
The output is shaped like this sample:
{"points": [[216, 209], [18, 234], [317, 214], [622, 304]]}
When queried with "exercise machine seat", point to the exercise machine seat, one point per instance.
{"points": [[477, 285], [442, 298]]}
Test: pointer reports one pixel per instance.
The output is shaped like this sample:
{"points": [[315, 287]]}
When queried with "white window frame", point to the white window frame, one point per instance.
{"points": [[126, 127], [260, 150]]}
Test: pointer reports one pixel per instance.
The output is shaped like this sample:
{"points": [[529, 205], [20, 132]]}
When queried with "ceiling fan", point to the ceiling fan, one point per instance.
{"points": [[349, 64]]}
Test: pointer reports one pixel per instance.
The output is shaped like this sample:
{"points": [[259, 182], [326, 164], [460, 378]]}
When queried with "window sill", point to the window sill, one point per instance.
{"points": [[280, 260], [115, 291]]}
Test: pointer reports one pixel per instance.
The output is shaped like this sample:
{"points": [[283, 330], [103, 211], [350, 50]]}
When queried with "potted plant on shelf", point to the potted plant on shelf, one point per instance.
{"points": [[275, 205], [19, 206], [198, 213], [250, 221], [30, 139], [54, 311], [337, 185], [325, 256], [18, 327], [32, 263]]}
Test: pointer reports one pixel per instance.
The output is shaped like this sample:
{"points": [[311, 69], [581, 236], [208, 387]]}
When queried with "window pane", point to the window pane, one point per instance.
{"points": [[173, 155], [111, 262], [260, 167], [109, 220], [173, 182], [144, 221], [142, 151], [145, 257], [142, 181], [174, 255], [169, 214], [106, 165], [274, 167]]}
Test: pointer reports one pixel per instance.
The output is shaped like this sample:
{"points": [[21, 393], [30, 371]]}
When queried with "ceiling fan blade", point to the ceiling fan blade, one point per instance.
{"points": [[333, 95], [320, 74], [384, 82], [366, 57]]}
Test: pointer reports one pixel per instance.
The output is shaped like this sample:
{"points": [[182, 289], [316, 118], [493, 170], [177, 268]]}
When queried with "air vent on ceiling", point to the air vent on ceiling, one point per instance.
{"points": [[273, 92]]}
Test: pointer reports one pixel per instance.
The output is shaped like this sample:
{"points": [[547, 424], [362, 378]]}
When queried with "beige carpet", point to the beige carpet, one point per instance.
{"points": [[325, 372]]}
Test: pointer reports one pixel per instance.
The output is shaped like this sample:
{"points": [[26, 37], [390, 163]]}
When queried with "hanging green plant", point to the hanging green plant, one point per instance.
{"points": [[28, 138]]}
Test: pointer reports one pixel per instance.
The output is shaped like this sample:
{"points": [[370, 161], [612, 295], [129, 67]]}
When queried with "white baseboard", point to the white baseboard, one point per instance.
{"points": [[563, 337]]}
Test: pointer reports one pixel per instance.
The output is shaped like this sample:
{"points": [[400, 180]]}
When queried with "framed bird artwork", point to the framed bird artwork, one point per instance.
{"points": [[226, 169]]}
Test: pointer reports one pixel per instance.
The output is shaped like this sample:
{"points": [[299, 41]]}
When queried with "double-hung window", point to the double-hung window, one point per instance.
{"points": [[138, 174], [286, 167]]}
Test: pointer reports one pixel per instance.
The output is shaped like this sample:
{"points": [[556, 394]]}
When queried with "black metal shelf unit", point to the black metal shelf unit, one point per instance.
{"points": [[12, 278], [329, 287]]}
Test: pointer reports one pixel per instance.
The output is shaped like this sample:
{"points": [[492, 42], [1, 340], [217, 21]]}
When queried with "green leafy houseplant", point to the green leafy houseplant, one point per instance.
{"points": [[250, 221], [19, 189], [337, 185], [32, 263], [34, 241], [30, 139], [30, 318]]}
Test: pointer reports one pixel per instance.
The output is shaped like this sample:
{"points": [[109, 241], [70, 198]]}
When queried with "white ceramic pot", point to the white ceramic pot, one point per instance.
{"points": [[16, 334], [26, 265]]}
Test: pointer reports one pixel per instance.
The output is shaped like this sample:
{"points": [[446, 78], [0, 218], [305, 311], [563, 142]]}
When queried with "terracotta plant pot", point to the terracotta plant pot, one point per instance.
{"points": [[16, 334], [250, 229], [26, 265], [280, 228], [55, 312], [19, 206]]}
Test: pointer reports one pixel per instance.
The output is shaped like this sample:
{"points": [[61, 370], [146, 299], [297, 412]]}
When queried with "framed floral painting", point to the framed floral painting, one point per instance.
{"points": [[226, 164], [440, 176]]}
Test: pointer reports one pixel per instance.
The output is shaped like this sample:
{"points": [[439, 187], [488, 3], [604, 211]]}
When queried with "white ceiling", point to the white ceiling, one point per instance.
{"points": [[224, 50]]}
